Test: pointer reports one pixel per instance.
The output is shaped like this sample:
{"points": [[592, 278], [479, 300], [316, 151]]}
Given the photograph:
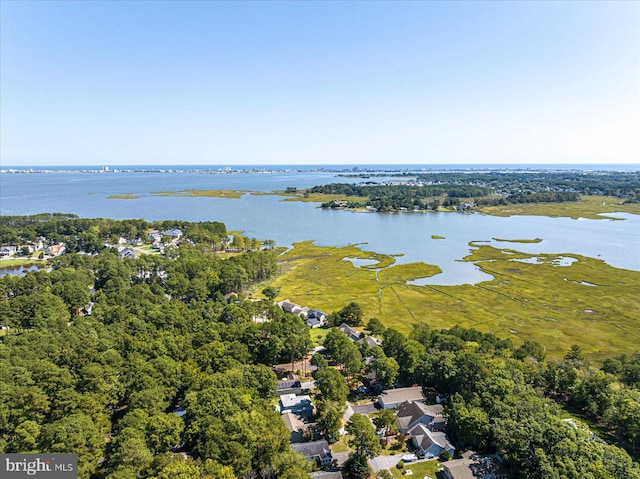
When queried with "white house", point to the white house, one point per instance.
{"points": [[316, 318], [428, 443], [300, 405]]}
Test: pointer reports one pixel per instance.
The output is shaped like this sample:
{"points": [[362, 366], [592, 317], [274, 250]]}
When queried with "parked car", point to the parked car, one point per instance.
{"points": [[409, 458]]}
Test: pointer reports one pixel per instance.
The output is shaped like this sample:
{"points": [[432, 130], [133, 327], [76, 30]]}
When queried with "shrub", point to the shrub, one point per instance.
{"points": [[400, 465]]}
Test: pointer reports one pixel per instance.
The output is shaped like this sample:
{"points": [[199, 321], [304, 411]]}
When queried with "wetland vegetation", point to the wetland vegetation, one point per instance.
{"points": [[540, 301]]}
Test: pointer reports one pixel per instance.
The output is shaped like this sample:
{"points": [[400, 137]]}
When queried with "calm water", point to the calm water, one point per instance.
{"points": [[16, 270], [268, 217]]}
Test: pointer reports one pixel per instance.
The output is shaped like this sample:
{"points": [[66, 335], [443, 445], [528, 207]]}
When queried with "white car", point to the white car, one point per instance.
{"points": [[409, 458]]}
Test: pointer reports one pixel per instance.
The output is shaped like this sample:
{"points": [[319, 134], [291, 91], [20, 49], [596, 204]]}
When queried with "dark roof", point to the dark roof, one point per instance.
{"points": [[350, 332], [474, 466], [288, 384], [411, 411], [313, 321], [326, 475], [312, 449], [400, 395]]}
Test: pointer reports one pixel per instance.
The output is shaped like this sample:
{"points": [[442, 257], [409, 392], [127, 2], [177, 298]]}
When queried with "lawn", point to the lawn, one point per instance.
{"points": [[25, 261], [342, 445], [318, 335], [419, 469], [588, 303]]}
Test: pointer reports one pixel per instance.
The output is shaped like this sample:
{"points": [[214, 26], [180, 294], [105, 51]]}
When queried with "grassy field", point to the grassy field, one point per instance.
{"points": [[26, 261], [209, 193], [593, 207], [587, 303], [419, 470]]}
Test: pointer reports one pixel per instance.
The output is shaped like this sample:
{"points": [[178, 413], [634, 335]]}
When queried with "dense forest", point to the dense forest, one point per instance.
{"points": [[99, 351], [429, 191]]}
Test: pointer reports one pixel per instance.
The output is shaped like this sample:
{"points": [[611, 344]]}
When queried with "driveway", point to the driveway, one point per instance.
{"points": [[384, 462]]}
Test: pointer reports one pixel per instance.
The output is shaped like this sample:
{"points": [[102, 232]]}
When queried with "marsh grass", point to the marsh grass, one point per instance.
{"points": [[554, 305], [320, 197], [537, 240], [123, 197], [592, 207], [209, 193]]}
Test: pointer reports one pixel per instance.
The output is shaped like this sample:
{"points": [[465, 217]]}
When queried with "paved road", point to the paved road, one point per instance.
{"points": [[384, 462]]}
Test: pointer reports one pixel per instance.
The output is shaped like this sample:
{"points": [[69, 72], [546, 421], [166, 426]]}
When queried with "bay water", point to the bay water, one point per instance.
{"points": [[408, 235]]}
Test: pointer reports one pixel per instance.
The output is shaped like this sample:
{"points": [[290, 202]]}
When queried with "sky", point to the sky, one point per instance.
{"points": [[311, 82]]}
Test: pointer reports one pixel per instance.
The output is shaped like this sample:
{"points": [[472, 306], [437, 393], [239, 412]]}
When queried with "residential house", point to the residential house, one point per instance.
{"points": [[392, 398], [296, 427], [412, 413], [351, 333], [39, 244], [289, 307], [173, 232], [326, 475], [369, 341], [300, 405], [155, 236], [289, 386], [316, 318], [7, 250], [315, 451], [127, 253], [55, 250], [474, 466], [429, 443]]}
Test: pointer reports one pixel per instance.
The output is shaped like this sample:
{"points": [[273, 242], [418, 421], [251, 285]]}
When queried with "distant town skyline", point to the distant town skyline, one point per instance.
{"points": [[323, 83]]}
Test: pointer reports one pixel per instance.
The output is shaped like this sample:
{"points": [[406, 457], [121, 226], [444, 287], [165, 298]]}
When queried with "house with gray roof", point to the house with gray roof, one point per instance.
{"points": [[326, 475], [300, 405], [474, 466], [316, 318], [392, 398], [369, 341], [289, 307], [429, 443], [351, 333], [296, 427], [412, 413], [315, 451]]}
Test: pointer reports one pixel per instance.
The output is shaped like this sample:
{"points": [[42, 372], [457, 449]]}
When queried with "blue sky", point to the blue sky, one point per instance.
{"points": [[143, 82]]}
